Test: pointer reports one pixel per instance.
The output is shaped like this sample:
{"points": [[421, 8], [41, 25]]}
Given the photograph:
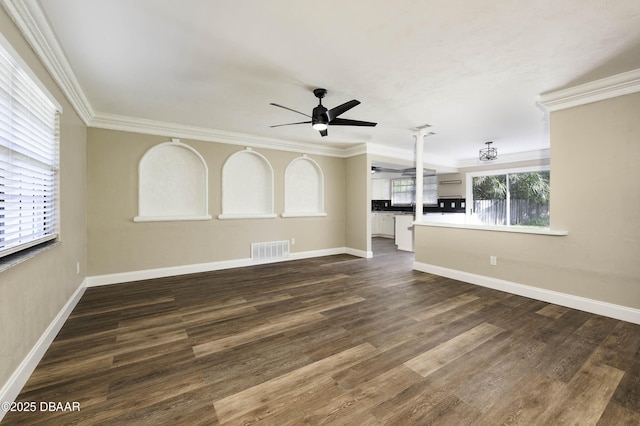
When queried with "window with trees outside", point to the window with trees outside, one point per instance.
{"points": [[511, 197], [403, 191]]}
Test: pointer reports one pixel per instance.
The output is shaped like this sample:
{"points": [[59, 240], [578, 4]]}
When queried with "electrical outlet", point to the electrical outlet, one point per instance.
{"points": [[77, 268], [293, 241], [493, 260]]}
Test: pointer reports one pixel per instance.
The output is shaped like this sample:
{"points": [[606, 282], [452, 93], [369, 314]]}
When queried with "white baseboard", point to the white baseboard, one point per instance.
{"points": [[359, 253], [146, 274], [318, 253], [11, 389], [598, 307]]}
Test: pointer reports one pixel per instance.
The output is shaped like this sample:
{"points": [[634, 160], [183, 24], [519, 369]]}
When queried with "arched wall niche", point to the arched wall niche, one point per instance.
{"points": [[247, 186], [303, 188], [172, 184]]}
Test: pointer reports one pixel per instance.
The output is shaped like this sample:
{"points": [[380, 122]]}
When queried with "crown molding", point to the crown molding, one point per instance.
{"points": [[539, 154], [598, 90], [443, 165], [161, 128], [35, 28], [353, 150], [391, 152], [32, 22]]}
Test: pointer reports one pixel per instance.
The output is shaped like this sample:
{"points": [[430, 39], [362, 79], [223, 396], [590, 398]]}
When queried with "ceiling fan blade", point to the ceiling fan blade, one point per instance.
{"points": [[291, 124], [340, 109], [293, 110], [346, 122], [324, 132]]}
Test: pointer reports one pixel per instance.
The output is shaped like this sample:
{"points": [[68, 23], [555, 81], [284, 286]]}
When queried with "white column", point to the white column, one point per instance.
{"points": [[419, 135]]}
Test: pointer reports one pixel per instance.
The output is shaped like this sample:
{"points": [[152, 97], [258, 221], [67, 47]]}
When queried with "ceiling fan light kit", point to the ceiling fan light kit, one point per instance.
{"points": [[489, 153], [321, 118]]}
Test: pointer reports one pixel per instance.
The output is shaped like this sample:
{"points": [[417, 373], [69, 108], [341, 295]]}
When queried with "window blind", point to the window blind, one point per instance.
{"points": [[28, 160]]}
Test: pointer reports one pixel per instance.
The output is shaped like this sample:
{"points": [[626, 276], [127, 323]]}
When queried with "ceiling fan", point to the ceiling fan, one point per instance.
{"points": [[321, 117]]}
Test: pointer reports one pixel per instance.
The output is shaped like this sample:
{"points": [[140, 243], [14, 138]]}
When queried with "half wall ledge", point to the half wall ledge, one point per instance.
{"points": [[497, 228]]}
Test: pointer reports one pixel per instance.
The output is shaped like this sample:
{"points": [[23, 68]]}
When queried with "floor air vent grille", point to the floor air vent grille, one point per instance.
{"points": [[269, 250]]}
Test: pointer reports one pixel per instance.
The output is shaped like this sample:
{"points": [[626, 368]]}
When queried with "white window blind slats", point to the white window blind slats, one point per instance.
{"points": [[30, 123], [18, 229], [35, 179], [25, 159], [24, 196], [31, 152], [28, 161]]}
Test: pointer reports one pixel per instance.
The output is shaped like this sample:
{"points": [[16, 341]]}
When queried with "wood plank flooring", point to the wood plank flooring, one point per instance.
{"points": [[333, 340]]}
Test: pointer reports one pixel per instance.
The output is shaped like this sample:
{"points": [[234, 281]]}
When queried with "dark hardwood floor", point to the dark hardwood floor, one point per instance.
{"points": [[337, 340]]}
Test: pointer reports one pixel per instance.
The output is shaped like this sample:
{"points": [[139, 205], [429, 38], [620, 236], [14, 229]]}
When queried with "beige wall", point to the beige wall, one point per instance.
{"points": [[117, 244], [451, 189], [358, 200], [595, 195], [34, 292]]}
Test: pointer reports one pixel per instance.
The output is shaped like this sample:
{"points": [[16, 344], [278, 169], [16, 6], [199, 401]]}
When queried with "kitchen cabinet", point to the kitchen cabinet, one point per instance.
{"points": [[375, 224], [383, 224], [380, 189], [404, 232]]}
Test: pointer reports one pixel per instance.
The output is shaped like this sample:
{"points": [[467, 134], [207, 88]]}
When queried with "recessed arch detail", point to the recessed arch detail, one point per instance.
{"points": [[172, 184], [247, 186], [303, 188]]}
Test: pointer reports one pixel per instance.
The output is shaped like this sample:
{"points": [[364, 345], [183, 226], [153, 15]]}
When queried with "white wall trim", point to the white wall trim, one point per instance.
{"points": [[540, 154], [359, 253], [496, 228], [598, 90], [598, 307], [11, 389], [444, 165], [147, 274], [33, 24], [161, 128], [317, 253]]}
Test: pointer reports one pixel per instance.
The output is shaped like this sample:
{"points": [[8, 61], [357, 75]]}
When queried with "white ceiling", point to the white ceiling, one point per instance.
{"points": [[471, 69]]}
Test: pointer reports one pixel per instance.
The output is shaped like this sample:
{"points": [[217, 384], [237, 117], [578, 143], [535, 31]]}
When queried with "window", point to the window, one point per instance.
{"points": [[403, 191], [28, 158], [512, 197]]}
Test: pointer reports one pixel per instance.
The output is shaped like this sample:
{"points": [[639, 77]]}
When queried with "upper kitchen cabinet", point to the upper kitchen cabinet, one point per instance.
{"points": [[380, 189]]}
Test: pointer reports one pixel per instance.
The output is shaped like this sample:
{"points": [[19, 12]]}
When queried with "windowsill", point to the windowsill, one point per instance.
{"points": [[15, 259], [496, 228]]}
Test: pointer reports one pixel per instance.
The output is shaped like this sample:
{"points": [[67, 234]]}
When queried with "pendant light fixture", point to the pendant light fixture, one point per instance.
{"points": [[489, 153]]}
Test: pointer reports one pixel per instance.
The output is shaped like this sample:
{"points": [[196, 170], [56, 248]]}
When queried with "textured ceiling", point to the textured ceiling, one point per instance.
{"points": [[470, 69]]}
